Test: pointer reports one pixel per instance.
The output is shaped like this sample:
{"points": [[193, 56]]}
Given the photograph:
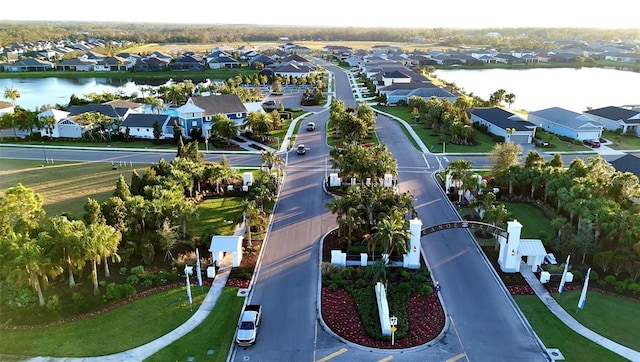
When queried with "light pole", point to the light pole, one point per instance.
{"points": [[277, 142], [44, 153], [443, 147], [206, 143]]}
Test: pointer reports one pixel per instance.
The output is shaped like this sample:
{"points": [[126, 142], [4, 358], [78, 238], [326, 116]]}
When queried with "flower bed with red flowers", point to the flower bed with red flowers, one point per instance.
{"points": [[425, 314]]}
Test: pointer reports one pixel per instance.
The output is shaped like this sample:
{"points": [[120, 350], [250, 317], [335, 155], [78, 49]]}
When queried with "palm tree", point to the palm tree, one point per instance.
{"points": [[391, 233], [252, 213], [12, 94], [271, 159], [224, 127]]}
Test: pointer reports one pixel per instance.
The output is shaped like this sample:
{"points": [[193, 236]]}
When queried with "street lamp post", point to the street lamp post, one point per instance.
{"points": [[206, 143], [443, 147], [277, 142], [44, 153]]}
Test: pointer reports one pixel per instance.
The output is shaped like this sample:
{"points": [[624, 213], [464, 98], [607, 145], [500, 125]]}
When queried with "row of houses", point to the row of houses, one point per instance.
{"points": [[135, 119], [399, 83]]}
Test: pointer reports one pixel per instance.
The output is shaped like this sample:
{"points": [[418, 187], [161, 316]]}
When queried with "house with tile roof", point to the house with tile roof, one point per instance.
{"points": [[198, 112], [501, 122], [616, 118], [402, 92], [141, 125], [566, 123]]}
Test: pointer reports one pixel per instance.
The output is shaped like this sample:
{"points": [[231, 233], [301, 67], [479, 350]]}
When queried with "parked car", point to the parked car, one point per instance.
{"points": [[592, 143], [301, 150], [311, 126], [269, 105], [249, 323]]}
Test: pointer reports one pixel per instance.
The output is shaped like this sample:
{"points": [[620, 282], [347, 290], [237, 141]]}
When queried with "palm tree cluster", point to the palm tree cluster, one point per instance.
{"points": [[445, 118], [140, 219], [596, 207], [374, 216], [360, 162], [352, 125]]}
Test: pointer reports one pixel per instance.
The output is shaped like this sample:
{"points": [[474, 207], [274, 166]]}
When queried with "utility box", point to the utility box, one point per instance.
{"points": [[211, 272], [247, 178], [544, 277], [334, 180]]}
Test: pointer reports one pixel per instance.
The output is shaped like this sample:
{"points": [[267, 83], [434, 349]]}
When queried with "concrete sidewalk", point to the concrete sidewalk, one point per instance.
{"points": [[567, 319], [146, 350]]}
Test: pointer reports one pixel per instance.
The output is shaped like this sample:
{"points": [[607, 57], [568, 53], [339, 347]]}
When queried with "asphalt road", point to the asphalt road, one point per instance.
{"points": [[484, 323]]}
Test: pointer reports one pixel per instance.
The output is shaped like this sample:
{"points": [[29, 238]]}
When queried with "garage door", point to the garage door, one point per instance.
{"points": [[519, 139]]}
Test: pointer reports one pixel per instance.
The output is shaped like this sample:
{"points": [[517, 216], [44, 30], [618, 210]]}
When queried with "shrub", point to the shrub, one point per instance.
{"points": [[123, 271], [333, 287], [137, 270], [133, 279], [610, 279], [53, 304], [593, 275], [79, 303], [119, 291]]}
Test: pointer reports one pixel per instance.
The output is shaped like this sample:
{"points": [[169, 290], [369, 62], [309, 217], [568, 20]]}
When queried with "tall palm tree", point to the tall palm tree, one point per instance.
{"points": [[391, 233], [224, 127], [270, 159], [12, 94]]}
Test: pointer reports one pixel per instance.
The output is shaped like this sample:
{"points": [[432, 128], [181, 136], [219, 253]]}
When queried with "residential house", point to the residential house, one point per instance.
{"points": [[141, 125], [627, 163], [261, 58], [6, 107], [501, 122], [77, 65], [616, 118], [112, 63], [123, 107], [60, 126], [221, 60], [152, 64], [294, 70], [28, 65], [189, 61], [198, 112], [402, 92], [566, 123]]}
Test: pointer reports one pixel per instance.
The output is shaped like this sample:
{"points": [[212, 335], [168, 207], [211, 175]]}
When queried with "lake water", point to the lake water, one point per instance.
{"points": [[535, 89]]}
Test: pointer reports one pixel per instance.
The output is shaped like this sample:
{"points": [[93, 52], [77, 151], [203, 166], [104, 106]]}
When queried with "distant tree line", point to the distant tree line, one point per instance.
{"points": [[537, 38]]}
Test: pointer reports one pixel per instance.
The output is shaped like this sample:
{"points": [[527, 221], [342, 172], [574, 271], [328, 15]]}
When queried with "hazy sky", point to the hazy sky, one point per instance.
{"points": [[341, 13]]}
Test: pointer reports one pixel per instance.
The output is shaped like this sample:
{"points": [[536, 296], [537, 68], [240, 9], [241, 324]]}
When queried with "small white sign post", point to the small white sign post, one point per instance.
{"points": [[393, 320]]}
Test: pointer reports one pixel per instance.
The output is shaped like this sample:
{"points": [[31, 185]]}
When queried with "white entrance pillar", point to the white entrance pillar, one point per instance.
{"points": [[508, 258], [413, 254]]}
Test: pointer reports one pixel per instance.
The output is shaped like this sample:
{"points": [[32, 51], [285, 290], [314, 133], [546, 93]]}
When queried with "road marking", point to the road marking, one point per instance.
{"points": [[334, 354], [459, 340], [386, 359], [457, 357]]}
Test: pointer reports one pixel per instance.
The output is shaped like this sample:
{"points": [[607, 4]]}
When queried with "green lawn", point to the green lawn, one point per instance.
{"points": [[555, 334], [64, 186], [535, 225], [216, 216], [124, 328], [214, 335], [599, 312], [622, 142]]}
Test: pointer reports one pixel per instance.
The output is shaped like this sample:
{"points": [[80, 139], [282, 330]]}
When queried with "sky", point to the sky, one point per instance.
{"points": [[340, 13]]}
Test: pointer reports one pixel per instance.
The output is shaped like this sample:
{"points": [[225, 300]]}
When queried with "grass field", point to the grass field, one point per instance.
{"points": [[211, 340], [124, 328], [555, 334], [64, 186]]}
